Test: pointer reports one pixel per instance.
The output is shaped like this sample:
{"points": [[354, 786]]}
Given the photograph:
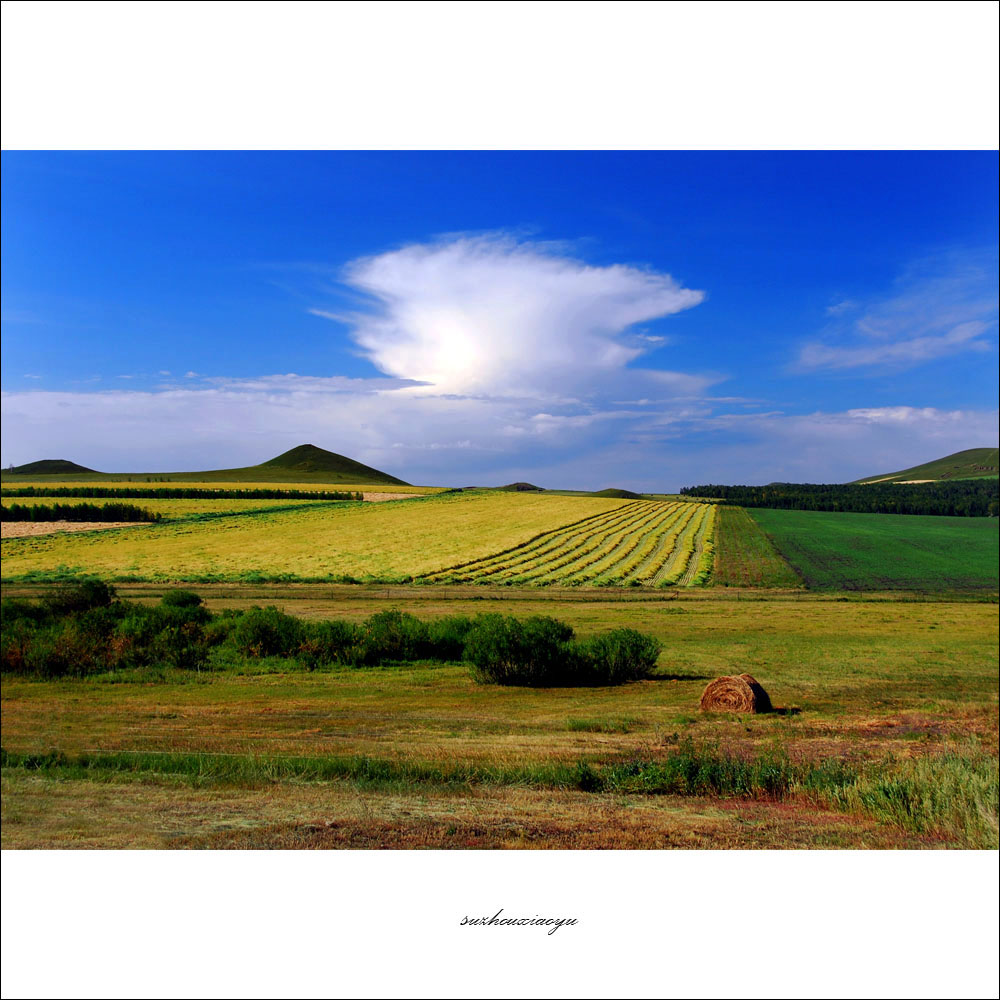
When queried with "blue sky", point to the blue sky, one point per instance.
{"points": [[579, 319]]}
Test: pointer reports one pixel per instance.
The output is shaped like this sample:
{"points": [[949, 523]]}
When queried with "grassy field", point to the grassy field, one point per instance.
{"points": [[886, 736], [484, 537], [170, 509], [135, 482], [388, 541], [837, 551], [745, 556]]}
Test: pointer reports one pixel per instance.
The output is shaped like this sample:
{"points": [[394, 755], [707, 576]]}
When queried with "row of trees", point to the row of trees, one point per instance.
{"points": [[176, 493], [84, 629], [77, 512], [961, 498]]}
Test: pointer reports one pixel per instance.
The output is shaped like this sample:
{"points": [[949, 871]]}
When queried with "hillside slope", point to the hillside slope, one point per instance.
{"points": [[973, 463], [48, 467]]}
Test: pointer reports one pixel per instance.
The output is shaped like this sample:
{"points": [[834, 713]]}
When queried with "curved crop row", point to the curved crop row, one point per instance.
{"points": [[535, 541], [706, 561], [640, 543], [616, 565], [648, 574], [573, 548], [584, 556], [556, 548], [683, 553]]}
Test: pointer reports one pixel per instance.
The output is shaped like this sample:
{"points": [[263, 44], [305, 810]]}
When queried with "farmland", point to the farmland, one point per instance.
{"points": [[482, 537], [877, 699], [885, 551], [885, 734], [175, 509], [746, 557]]}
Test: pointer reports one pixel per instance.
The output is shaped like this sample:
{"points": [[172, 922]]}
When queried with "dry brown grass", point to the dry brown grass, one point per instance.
{"points": [[40, 813]]}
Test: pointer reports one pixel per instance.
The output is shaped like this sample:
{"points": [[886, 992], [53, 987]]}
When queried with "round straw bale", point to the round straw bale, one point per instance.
{"points": [[738, 693], [763, 700]]}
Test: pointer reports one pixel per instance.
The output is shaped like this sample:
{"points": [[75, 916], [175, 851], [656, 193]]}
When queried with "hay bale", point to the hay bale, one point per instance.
{"points": [[737, 693]]}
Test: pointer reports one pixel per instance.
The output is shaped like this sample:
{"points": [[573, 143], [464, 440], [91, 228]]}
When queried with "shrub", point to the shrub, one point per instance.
{"points": [[534, 652], [181, 599], [446, 636], [80, 597], [620, 655], [391, 636], [328, 642], [266, 632]]}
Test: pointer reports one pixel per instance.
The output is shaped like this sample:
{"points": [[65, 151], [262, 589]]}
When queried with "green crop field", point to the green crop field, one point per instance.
{"points": [[885, 551], [746, 557]]}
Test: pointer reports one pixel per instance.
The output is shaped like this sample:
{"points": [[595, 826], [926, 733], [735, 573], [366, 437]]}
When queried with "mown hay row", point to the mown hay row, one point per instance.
{"points": [[616, 565], [545, 558], [678, 566], [614, 546], [650, 574], [536, 540]]}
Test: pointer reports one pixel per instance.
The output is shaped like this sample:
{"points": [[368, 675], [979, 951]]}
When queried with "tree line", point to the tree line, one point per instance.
{"points": [[175, 493], [959, 498], [77, 512]]}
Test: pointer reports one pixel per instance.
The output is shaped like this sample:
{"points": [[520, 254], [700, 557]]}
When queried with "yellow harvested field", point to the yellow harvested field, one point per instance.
{"points": [[31, 529], [382, 497], [137, 483], [385, 541], [168, 508]]}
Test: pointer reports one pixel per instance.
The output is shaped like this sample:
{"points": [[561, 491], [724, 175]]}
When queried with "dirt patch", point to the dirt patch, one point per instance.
{"points": [[381, 497], [24, 529]]}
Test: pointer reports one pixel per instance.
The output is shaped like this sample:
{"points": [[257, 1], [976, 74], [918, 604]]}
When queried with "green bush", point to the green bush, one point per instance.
{"points": [[80, 597], [540, 652], [446, 636], [181, 599], [390, 636], [620, 655], [328, 642], [535, 652], [266, 632]]}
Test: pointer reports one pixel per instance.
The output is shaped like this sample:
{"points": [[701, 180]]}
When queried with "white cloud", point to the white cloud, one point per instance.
{"points": [[939, 307], [505, 361], [488, 315], [507, 352]]}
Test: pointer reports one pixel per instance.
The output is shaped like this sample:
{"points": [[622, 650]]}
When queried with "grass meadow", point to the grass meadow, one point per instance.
{"points": [[885, 736]]}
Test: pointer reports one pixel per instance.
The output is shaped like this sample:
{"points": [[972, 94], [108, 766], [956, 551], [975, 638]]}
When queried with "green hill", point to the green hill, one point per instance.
{"points": [[304, 464], [310, 459], [974, 463], [618, 494], [48, 467]]}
